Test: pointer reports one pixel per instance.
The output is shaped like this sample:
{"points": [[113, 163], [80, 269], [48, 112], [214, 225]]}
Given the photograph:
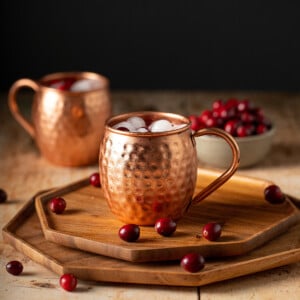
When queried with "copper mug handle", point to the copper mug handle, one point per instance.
{"points": [[229, 172], [13, 105]]}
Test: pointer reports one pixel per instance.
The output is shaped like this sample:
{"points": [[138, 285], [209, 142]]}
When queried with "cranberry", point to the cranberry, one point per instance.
{"points": [[204, 116], [211, 122], [243, 105], [274, 195], [217, 104], [58, 205], [165, 226], [195, 123], [237, 117], [129, 232], [212, 231], [62, 84], [250, 129], [247, 117], [261, 128], [231, 126], [68, 282], [232, 103], [242, 131], [14, 267], [3, 196], [95, 180], [123, 128], [193, 262], [259, 114]]}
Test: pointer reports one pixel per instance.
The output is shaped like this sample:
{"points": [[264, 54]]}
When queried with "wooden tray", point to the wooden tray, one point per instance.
{"points": [[25, 234], [249, 222]]}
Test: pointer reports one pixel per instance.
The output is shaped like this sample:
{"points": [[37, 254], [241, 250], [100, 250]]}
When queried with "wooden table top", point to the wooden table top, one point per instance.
{"points": [[24, 172]]}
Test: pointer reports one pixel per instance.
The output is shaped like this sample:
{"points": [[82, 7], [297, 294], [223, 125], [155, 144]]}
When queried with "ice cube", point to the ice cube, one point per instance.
{"points": [[178, 126], [125, 125], [83, 85], [137, 122], [142, 129], [160, 126]]}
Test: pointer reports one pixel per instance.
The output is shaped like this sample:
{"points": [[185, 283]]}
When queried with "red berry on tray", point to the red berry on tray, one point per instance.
{"points": [[192, 262], [68, 282], [212, 231], [3, 196], [14, 267], [165, 226], [129, 232], [274, 195], [58, 205], [95, 180]]}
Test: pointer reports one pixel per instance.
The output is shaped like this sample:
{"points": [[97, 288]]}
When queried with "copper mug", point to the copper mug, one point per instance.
{"points": [[67, 126], [146, 176]]}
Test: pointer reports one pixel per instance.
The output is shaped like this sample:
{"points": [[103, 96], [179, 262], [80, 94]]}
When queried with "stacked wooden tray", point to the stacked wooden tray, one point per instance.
{"points": [[84, 240]]}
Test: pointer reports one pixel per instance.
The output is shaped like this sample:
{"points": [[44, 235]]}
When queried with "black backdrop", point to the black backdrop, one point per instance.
{"points": [[155, 44]]}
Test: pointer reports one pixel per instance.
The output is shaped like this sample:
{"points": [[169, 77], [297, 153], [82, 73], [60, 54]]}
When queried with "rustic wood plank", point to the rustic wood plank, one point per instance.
{"points": [[250, 221], [24, 232]]}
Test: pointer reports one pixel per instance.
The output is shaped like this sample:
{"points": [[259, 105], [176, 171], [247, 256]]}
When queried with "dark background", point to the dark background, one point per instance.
{"points": [[155, 44]]}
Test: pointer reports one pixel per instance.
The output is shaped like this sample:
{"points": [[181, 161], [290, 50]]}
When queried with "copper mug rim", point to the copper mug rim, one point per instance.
{"points": [[77, 75], [180, 119], [225, 176]]}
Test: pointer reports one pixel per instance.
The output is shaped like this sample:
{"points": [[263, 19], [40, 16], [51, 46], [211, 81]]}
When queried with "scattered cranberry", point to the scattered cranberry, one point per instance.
{"points": [[95, 180], [165, 226], [68, 282], [193, 262], [14, 267], [58, 205], [212, 231], [3, 196], [129, 232], [274, 195]]}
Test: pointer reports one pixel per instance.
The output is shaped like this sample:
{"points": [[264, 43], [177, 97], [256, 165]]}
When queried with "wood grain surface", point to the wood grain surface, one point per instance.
{"points": [[25, 234], [248, 221], [24, 172]]}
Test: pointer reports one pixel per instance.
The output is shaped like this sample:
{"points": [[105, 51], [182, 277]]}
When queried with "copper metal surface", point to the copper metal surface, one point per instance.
{"points": [[66, 126], [146, 176]]}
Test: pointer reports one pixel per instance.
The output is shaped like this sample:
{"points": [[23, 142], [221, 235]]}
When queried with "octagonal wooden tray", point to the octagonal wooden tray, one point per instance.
{"points": [[249, 222], [24, 232]]}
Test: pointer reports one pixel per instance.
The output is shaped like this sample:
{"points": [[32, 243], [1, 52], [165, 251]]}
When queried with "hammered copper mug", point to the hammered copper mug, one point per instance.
{"points": [[146, 176], [67, 126]]}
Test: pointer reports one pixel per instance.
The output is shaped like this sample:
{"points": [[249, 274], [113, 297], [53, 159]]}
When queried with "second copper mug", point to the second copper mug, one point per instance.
{"points": [[67, 126], [147, 176]]}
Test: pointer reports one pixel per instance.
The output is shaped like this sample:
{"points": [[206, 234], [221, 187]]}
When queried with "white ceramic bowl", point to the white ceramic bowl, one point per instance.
{"points": [[214, 151]]}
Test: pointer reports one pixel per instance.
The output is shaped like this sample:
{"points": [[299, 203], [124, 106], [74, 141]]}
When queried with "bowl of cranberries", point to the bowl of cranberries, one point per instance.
{"points": [[248, 125]]}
